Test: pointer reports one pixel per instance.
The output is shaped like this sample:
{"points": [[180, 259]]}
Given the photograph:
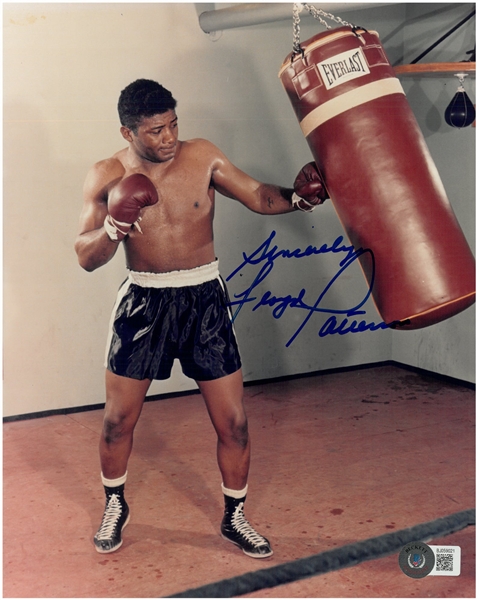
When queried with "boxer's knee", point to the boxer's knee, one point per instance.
{"points": [[117, 425], [235, 431], [124, 401]]}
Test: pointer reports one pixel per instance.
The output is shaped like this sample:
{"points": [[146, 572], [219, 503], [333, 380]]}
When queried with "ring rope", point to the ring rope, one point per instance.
{"points": [[332, 560]]}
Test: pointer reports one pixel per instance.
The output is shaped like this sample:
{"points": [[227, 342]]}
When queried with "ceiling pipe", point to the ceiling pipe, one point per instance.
{"points": [[244, 15]]}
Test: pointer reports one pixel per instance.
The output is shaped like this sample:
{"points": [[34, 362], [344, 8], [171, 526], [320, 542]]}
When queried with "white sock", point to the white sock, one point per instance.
{"points": [[114, 482], [235, 493]]}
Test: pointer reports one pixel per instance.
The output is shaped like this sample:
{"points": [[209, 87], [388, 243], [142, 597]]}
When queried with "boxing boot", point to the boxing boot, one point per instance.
{"points": [[116, 516], [236, 529]]}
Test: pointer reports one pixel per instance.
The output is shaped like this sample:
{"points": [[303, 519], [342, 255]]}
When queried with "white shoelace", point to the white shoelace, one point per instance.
{"points": [[243, 527], [112, 513]]}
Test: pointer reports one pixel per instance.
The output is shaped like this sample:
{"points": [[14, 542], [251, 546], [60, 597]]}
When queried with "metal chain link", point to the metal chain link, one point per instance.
{"points": [[317, 13], [296, 28]]}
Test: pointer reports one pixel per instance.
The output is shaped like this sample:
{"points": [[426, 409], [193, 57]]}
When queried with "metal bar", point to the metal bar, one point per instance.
{"points": [[452, 30], [244, 15]]}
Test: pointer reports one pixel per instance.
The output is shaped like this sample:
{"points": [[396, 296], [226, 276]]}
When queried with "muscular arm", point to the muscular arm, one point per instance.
{"points": [[93, 246], [263, 198]]}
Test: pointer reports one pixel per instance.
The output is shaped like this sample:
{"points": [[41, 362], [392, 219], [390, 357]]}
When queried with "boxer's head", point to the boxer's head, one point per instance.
{"points": [[143, 98]]}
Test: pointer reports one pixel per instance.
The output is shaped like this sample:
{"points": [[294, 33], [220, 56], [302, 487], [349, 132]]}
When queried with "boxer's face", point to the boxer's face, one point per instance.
{"points": [[156, 137]]}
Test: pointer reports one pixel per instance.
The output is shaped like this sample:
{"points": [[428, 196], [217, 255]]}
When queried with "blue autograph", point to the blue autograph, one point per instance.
{"points": [[266, 255]]}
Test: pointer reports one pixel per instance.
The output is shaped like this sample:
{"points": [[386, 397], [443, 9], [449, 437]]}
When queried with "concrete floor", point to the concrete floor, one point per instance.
{"points": [[336, 458]]}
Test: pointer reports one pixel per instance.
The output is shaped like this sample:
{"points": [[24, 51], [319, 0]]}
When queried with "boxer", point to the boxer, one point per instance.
{"points": [[156, 197]]}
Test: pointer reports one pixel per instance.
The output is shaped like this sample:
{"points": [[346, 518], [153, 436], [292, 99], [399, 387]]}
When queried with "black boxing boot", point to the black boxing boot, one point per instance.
{"points": [[236, 529], [115, 517]]}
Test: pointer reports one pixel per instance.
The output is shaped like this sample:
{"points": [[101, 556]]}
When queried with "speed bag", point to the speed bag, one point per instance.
{"points": [[380, 177]]}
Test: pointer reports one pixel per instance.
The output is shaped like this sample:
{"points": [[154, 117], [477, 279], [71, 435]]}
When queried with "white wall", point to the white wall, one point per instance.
{"points": [[64, 66]]}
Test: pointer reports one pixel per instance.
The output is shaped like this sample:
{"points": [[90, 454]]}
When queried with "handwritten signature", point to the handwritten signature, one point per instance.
{"points": [[265, 257]]}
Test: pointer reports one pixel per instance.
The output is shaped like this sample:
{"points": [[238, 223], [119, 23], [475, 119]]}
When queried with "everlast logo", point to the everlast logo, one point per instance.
{"points": [[343, 67]]}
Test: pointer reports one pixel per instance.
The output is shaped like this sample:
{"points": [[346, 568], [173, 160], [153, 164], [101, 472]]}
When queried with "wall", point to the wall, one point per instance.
{"points": [[64, 65], [448, 347]]}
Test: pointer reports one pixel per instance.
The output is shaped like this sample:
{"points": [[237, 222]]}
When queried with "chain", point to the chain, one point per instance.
{"points": [[317, 13], [296, 28]]}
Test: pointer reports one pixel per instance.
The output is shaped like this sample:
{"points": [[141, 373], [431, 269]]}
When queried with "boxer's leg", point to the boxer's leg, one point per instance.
{"points": [[224, 400], [122, 409], [123, 406]]}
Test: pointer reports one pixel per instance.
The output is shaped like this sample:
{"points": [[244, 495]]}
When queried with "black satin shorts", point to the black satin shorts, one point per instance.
{"points": [[159, 317]]}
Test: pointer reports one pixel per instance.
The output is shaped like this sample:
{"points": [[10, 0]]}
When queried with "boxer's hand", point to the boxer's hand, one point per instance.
{"points": [[309, 189], [125, 201]]}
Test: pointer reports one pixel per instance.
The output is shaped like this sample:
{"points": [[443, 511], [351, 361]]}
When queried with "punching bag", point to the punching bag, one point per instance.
{"points": [[380, 177]]}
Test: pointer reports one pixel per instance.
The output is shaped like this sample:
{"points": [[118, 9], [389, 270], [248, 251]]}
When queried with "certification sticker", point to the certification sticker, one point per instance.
{"points": [[416, 560], [447, 560]]}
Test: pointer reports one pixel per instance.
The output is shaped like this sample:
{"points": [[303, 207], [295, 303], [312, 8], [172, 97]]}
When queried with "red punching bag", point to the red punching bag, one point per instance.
{"points": [[380, 177]]}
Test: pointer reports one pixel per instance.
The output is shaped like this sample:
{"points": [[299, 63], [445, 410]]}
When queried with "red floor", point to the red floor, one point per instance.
{"points": [[336, 459]]}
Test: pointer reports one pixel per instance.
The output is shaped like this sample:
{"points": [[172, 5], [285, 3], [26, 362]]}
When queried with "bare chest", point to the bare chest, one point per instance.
{"points": [[185, 197]]}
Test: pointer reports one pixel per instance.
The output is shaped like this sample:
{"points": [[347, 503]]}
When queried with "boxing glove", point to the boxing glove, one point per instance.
{"points": [[125, 201], [309, 189]]}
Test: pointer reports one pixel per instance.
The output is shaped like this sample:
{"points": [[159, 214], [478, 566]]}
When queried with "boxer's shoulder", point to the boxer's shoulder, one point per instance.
{"points": [[109, 168], [103, 174], [199, 147]]}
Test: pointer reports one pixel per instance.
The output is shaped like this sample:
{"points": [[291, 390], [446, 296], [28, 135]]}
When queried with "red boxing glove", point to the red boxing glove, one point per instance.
{"points": [[309, 189], [125, 201]]}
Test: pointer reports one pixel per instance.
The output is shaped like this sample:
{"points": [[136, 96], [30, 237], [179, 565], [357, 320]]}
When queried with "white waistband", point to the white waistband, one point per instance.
{"points": [[175, 279]]}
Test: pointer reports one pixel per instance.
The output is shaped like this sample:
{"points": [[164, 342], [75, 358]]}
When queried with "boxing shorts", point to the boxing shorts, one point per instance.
{"points": [[159, 317]]}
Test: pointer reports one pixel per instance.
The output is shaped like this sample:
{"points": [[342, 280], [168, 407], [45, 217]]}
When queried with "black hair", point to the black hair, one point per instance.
{"points": [[143, 98]]}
